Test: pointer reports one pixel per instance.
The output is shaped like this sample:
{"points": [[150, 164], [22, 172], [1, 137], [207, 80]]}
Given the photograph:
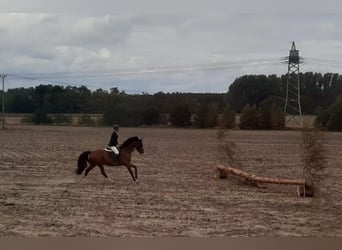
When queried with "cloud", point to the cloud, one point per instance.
{"points": [[162, 51], [175, 6]]}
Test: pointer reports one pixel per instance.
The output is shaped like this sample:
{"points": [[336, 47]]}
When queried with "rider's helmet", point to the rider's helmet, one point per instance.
{"points": [[116, 127]]}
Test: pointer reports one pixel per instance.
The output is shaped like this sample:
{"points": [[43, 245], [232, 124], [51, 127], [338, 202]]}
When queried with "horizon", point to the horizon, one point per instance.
{"points": [[47, 83]]}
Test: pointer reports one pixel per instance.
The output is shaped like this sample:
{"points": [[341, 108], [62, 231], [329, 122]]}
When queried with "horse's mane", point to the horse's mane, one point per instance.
{"points": [[129, 141]]}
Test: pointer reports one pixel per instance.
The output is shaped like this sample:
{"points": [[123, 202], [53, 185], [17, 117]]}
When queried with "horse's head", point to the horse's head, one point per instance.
{"points": [[139, 146], [134, 142]]}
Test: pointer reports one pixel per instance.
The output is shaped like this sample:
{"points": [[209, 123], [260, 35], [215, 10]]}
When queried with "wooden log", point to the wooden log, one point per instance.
{"points": [[254, 178], [303, 189]]}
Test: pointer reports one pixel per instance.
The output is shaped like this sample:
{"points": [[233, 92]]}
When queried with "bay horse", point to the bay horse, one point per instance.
{"points": [[100, 157]]}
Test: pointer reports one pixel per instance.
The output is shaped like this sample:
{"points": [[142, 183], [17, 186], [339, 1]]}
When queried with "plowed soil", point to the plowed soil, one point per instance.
{"points": [[179, 193]]}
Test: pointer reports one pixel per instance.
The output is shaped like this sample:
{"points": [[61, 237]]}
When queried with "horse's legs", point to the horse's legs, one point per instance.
{"points": [[91, 166], [129, 168], [136, 172], [103, 172], [130, 171]]}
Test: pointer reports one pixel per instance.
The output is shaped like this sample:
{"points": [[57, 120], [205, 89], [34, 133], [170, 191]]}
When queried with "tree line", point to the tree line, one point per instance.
{"points": [[259, 99]]}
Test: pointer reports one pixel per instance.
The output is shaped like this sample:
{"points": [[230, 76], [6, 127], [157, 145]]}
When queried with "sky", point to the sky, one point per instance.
{"points": [[169, 46]]}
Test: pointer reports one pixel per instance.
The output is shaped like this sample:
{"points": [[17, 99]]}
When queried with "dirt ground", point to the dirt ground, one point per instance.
{"points": [[179, 193]]}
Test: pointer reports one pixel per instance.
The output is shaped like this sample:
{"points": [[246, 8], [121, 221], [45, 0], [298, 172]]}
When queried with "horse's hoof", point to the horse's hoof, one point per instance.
{"points": [[137, 181]]}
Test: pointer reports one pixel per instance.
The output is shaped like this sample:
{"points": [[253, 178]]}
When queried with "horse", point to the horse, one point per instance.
{"points": [[100, 157]]}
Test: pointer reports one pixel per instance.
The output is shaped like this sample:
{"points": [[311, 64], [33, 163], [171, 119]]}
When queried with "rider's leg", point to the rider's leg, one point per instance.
{"points": [[115, 150]]}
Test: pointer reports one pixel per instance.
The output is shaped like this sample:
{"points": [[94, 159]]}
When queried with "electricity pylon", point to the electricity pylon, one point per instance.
{"points": [[292, 109]]}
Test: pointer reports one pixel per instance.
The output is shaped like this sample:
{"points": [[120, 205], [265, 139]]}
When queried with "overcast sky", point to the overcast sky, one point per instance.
{"points": [[139, 46]]}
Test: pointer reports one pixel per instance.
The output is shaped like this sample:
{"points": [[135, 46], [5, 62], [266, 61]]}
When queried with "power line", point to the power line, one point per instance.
{"points": [[58, 78], [47, 80], [151, 69], [323, 60], [165, 68], [70, 83], [66, 77], [331, 65]]}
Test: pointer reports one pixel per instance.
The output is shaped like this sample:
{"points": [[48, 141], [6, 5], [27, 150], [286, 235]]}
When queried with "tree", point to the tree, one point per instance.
{"points": [[250, 117], [19, 103], [180, 116], [121, 114], [252, 89], [335, 119], [272, 114], [211, 117], [99, 101], [332, 117], [150, 116], [322, 118], [318, 93], [228, 117]]}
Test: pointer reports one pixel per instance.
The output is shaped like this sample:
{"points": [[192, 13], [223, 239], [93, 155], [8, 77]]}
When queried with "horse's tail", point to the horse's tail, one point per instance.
{"points": [[82, 162]]}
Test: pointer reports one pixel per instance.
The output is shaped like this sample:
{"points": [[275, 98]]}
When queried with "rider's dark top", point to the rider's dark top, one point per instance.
{"points": [[113, 139]]}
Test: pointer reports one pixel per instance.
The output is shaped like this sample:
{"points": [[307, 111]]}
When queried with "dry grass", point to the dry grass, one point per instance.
{"points": [[178, 194], [227, 148], [314, 156]]}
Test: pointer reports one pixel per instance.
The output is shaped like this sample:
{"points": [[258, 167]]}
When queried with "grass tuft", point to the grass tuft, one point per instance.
{"points": [[314, 156], [227, 148]]}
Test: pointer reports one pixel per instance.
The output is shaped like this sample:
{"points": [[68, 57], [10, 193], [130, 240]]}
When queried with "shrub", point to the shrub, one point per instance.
{"points": [[86, 120], [332, 117], [250, 118], [62, 119], [335, 121], [40, 117], [322, 119], [313, 157], [272, 117], [211, 116], [228, 118], [272, 114]]}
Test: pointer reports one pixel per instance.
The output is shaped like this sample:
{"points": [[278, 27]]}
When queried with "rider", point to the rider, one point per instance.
{"points": [[113, 143]]}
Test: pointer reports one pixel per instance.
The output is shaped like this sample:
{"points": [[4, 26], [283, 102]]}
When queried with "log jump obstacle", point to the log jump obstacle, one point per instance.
{"points": [[303, 189]]}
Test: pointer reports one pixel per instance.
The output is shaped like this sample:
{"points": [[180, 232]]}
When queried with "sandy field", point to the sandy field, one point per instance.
{"points": [[179, 193]]}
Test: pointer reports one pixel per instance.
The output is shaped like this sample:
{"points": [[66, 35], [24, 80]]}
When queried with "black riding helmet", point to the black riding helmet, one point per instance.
{"points": [[116, 127]]}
